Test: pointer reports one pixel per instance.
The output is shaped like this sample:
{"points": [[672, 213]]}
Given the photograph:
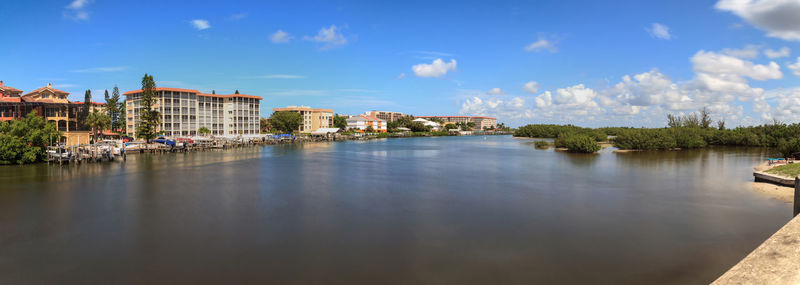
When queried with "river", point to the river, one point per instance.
{"points": [[437, 210]]}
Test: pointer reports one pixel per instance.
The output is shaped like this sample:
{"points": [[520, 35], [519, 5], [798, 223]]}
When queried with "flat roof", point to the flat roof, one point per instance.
{"points": [[198, 93], [303, 108]]}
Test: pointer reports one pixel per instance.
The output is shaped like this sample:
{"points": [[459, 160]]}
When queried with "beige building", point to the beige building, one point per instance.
{"points": [[184, 111], [482, 123], [313, 119], [385, 115]]}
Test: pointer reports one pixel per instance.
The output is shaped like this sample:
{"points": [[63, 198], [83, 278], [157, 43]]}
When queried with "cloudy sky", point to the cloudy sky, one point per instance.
{"points": [[590, 63]]}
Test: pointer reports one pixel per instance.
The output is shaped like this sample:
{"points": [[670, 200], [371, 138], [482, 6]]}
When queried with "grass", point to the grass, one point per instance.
{"points": [[789, 170]]}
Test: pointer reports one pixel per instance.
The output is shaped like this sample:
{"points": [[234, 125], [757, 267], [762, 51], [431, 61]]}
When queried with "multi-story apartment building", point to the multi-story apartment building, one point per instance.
{"points": [[385, 115], [313, 119], [447, 119], [362, 122], [480, 122], [184, 111]]}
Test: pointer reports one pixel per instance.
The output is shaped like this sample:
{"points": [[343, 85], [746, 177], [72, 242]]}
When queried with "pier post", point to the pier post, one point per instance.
{"points": [[796, 196]]}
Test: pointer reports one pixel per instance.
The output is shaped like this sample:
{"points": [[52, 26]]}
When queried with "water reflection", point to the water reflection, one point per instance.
{"points": [[466, 210]]}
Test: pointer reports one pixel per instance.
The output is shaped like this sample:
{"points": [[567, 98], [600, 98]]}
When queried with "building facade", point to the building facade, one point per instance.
{"points": [[362, 122], [481, 123], [312, 119], [48, 102], [184, 111], [385, 115]]}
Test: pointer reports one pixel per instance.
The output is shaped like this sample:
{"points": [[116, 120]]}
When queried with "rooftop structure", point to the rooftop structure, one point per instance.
{"points": [[362, 122]]}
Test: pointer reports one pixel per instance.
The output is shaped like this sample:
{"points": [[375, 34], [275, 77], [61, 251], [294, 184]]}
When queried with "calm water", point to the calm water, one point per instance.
{"points": [[457, 210]]}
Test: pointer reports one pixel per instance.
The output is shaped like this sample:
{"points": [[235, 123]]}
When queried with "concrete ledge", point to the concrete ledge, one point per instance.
{"points": [[776, 261], [761, 176]]}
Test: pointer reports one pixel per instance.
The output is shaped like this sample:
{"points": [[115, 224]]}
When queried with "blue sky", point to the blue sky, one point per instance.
{"points": [[588, 63]]}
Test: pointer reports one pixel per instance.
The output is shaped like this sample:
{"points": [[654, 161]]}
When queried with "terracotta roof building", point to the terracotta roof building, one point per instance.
{"points": [[362, 122], [184, 111], [48, 102]]}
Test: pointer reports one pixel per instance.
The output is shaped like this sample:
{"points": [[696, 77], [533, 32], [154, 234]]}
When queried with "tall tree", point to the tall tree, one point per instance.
{"points": [[148, 125], [705, 118], [84, 112], [121, 119], [285, 121], [213, 92], [237, 91], [339, 122], [114, 108]]}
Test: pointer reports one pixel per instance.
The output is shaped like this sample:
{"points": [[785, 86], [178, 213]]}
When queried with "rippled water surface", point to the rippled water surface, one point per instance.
{"points": [[452, 210]]}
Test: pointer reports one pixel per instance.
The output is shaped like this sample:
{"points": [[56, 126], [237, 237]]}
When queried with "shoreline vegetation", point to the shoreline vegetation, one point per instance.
{"points": [[690, 131]]}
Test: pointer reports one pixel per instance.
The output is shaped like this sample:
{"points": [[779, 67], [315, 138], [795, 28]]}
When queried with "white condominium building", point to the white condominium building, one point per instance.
{"points": [[184, 111]]}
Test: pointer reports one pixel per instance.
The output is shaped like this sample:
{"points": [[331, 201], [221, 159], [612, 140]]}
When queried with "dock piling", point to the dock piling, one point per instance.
{"points": [[796, 196]]}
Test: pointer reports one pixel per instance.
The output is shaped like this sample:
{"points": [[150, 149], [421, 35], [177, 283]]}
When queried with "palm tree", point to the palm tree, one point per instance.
{"points": [[204, 131], [97, 121]]}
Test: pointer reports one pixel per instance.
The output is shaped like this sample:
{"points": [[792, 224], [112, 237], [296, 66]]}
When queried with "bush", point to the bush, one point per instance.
{"points": [[577, 143], [787, 147], [553, 131], [644, 139], [541, 144], [24, 141]]}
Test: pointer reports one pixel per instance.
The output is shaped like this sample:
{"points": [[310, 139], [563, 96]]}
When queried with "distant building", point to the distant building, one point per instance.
{"points": [[480, 122], [434, 125], [362, 122], [385, 115], [313, 119], [184, 111]]}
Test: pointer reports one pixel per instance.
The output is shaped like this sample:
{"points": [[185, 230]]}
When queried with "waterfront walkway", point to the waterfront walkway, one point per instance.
{"points": [[776, 261]]}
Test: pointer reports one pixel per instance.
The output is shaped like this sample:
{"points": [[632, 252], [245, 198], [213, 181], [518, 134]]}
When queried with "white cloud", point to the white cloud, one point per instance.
{"points": [[401, 76], [542, 44], [495, 91], [749, 51], [531, 87], [778, 17], [330, 37], [100, 69], [514, 108], [783, 52], [437, 68], [280, 37], [795, 67], [659, 31], [76, 10], [200, 24], [714, 63]]}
